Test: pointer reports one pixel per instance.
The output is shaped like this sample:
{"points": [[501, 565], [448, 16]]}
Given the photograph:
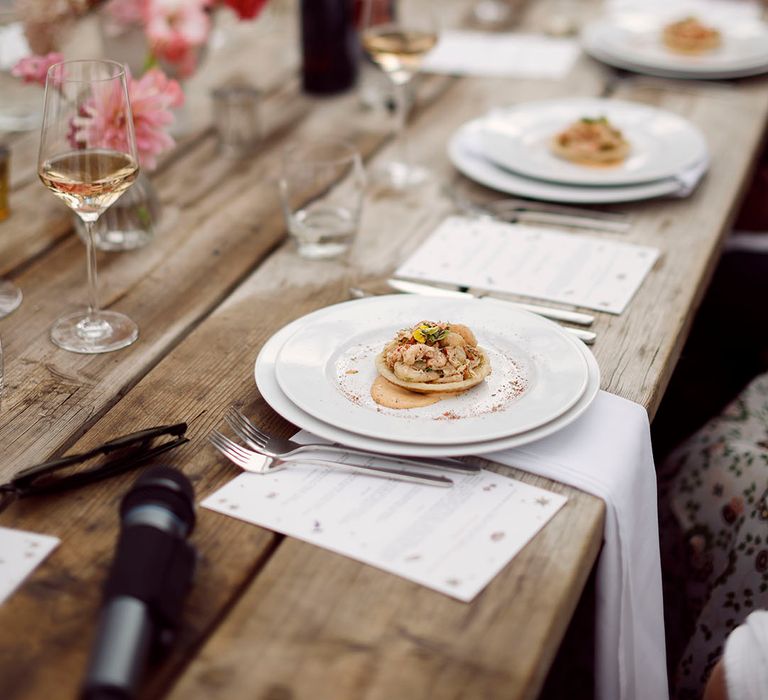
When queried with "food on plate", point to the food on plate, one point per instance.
{"points": [[591, 141], [690, 35], [433, 358]]}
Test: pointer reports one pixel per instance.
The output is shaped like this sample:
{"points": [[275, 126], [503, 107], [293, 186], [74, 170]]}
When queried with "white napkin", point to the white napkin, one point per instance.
{"points": [[501, 55], [607, 452]]}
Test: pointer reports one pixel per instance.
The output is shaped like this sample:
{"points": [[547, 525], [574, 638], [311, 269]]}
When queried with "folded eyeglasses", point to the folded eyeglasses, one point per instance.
{"points": [[125, 453]]}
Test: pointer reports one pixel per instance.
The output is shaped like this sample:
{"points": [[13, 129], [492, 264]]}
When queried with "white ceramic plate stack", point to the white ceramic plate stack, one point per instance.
{"points": [[632, 40], [509, 150], [317, 373]]}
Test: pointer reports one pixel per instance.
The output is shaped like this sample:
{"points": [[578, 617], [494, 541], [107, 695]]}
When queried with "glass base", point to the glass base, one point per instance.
{"points": [[10, 298], [121, 240], [400, 176], [101, 331]]}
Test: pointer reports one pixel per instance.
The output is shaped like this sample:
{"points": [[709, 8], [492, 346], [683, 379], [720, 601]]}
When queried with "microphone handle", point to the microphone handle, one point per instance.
{"points": [[123, 643]]}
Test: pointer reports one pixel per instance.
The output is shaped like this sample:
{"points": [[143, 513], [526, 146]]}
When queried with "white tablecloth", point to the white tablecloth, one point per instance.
{"points": [[607, 452]]}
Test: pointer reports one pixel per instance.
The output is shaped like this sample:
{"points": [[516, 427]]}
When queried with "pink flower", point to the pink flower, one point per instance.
{"points": [[246, 9], [176, 29], [101, 123], [33, 69]]}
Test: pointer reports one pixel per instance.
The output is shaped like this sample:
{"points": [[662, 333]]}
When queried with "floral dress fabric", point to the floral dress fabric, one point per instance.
{"points": [[714, 524]]}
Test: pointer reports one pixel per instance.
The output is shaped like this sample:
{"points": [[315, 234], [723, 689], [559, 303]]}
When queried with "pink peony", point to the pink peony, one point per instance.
{"points": [[33, 69], [176, 29], [102, 119]]}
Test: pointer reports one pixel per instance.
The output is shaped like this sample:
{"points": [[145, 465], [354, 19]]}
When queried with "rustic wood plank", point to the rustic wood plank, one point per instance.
{"points": [[224, 221]]}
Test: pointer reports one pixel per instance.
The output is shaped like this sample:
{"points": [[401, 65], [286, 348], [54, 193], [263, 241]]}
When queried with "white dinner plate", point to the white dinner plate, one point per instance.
{"points": [[327, 369], [617, 62], [464, 153], [266, 381], [633, 39], [662, 144]]}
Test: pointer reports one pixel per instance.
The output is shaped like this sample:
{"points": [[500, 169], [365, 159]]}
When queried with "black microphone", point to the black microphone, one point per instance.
{"points": [[149, 579]]}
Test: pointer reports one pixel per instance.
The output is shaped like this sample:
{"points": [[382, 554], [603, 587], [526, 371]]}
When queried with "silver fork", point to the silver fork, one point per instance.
{"points": [[522, 211], [253, 461], [280, 448]]}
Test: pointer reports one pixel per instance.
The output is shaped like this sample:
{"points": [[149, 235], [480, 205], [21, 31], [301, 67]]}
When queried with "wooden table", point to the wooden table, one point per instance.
{"points": [[271, 617]]}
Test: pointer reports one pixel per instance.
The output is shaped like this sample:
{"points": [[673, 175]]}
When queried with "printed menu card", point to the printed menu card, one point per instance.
{"points": [[532, 261], [453, 540], [20, 553], [501, 55]]}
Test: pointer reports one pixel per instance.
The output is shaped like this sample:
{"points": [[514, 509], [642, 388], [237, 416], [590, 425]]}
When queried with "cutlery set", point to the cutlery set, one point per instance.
{"points": [[513, 210], [267, 453], [555, 314]]}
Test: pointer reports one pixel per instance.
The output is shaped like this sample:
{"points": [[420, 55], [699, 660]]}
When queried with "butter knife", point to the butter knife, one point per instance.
{"points": [[575, 317]]}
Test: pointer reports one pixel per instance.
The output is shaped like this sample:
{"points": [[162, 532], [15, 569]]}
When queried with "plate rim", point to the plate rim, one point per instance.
{"points": [[329, 432], [534, 189], [413, 432], [592, 178], [592, 44]]}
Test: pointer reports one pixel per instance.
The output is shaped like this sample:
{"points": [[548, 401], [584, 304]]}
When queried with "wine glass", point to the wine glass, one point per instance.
{"points": [[88, 159], [396, 35]]}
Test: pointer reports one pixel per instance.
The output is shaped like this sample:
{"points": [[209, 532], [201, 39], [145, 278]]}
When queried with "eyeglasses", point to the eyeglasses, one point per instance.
{"points": [[134, 449]]}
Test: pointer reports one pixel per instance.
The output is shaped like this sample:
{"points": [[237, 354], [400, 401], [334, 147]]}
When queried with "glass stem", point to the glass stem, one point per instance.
{"points": [[401, 114], [93, 282]]}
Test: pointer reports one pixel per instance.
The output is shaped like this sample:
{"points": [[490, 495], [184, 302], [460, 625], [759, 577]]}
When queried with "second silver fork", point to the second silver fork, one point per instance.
{"points": [[256, 462], [281, 448]]}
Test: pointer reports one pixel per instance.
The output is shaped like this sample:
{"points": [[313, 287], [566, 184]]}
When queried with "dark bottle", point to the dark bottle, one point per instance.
{"points": [[329, 45]]}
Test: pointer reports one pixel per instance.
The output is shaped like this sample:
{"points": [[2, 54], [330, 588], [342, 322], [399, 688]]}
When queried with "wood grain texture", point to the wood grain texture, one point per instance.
{"points": [[274, 618]]}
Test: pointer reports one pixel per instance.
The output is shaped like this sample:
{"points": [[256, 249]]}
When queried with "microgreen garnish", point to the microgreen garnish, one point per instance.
{"points": [[429, 334]]}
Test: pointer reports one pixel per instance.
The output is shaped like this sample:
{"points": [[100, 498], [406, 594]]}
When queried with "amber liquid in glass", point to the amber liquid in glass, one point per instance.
{"points": [[89, 181]]}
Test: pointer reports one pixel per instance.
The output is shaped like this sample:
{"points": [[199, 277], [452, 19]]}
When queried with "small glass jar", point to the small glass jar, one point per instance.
{"points": [[130, 222]]}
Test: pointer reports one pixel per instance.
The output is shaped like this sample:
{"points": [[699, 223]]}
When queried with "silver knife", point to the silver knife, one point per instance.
{"points": [[579, 319], [541, 217]]}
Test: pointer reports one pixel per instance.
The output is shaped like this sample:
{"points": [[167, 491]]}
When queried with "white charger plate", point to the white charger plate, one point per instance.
{"points": [[464, 152], [328, 366], [632, 40], [266, 381], [662, 144]]}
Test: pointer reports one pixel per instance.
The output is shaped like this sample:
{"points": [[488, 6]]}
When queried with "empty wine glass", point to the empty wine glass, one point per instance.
{"points": [[88, 159], [397, 34]]}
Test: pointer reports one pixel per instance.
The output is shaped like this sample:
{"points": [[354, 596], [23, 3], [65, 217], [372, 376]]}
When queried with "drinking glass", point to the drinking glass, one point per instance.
{"points": [[322, 188], [88, 159], [396, 35]]}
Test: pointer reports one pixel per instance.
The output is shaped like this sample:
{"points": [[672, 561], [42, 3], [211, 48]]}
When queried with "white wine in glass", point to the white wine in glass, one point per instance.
{"points": [[397, 35], [88, 159]]}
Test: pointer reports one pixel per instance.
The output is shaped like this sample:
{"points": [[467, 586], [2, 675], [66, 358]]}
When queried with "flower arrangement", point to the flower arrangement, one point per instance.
{"points": [[152, 98], [176, 30]]}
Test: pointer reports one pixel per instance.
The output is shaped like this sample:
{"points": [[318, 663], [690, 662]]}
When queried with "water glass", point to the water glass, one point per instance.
{"points": [[322, 188]]}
